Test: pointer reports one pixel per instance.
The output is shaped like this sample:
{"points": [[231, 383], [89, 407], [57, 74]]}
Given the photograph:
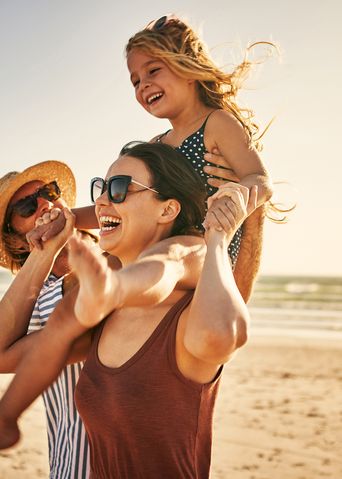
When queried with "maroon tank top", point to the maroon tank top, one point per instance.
{"points": [[144, 419]]}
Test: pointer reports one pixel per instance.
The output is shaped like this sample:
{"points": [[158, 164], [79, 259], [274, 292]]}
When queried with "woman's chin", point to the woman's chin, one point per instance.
{"points": [[109, 238]]}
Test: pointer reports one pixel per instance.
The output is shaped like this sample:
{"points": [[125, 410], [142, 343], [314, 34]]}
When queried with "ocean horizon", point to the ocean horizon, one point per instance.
{"points": [[301, 306]]}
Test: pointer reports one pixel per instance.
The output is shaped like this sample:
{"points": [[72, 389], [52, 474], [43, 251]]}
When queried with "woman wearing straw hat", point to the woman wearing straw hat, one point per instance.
{"points": [[43, 189]]}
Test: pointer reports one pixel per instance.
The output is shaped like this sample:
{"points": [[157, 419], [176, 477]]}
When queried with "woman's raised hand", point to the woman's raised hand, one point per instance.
{"points": [[229, 207]]}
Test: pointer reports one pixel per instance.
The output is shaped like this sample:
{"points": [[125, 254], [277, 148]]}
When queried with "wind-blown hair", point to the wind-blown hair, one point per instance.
{"points": [[173, 178], [176, 43]]}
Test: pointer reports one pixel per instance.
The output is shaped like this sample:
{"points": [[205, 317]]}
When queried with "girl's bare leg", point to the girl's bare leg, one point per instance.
{"points": [[97, 283], [9, 433]]}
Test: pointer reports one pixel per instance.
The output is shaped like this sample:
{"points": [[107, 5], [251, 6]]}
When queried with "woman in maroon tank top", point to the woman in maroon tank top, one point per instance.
{"points": [[162, 331]]}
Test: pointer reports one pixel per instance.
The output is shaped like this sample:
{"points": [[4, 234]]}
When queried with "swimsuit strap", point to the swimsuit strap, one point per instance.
{"points": [[202, 127], [159, 138], [207, 118]]}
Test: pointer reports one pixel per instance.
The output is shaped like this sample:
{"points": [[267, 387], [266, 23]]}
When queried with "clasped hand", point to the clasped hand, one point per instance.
{"points": [[229, 207], [55, 223]]}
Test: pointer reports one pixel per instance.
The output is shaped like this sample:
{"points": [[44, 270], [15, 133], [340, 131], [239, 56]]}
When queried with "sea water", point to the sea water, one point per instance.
{"points": [[308, 306], [304, 306]]}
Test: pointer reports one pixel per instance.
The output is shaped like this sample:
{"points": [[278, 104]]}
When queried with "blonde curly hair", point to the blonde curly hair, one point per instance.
{"points": [[176, 43]]}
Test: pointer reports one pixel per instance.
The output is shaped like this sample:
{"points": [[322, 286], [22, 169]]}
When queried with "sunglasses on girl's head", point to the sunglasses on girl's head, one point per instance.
{"points": [[116, 186], [27, 206], [162, 22]]}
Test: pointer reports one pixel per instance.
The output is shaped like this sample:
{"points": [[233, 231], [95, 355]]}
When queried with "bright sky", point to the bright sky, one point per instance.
{"points": [[65, 94]]}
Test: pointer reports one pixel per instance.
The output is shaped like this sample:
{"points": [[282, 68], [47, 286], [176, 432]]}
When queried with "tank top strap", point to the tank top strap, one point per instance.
{"points": [[176, 310], [183, 302]]}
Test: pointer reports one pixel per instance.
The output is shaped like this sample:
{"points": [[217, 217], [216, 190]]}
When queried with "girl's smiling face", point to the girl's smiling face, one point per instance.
{"points": [[160, 91]]}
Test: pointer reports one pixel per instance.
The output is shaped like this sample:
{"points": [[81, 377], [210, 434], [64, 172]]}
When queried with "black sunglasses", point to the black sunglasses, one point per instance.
{"points": [[116, 186], [28, 205]]}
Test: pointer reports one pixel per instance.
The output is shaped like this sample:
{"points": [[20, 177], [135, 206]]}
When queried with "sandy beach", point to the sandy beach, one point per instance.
{"points": [[279, 415]]}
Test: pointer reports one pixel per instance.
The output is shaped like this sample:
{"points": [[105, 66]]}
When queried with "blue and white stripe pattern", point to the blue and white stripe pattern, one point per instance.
{"points": [[68, 445]]}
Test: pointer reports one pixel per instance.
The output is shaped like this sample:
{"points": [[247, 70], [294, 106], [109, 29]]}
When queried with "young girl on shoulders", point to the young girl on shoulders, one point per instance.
{"points": [[175, 78]]}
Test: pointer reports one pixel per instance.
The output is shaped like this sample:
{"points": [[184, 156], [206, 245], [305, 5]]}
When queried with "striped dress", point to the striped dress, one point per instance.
{"points": [[68, 445]]}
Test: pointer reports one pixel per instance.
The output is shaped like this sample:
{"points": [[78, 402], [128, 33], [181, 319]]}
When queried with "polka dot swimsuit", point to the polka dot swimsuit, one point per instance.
{"points": [[193, 149]]}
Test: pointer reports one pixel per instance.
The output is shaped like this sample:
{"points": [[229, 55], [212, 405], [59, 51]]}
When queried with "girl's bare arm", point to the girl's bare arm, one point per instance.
{"points": [[228, 136]]}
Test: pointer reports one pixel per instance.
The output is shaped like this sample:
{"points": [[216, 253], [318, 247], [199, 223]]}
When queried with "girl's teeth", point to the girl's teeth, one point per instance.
{"points": [[154, 97]]}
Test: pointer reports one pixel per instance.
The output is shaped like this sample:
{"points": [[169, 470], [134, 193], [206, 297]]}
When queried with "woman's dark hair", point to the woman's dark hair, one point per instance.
{"points": [[173, 177]]}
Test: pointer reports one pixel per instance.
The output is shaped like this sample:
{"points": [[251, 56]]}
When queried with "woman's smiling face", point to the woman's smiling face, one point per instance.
{"points": [[127, 228]]}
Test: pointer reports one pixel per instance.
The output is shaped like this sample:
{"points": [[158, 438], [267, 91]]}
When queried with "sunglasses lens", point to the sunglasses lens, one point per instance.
{"points": [[97, 188], [50, 192], [26, 207], [160, 23], [128, 146], [118, 189]]}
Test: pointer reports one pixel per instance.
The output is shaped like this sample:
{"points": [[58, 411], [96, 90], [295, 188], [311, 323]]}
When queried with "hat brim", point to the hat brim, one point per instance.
{"points": [[46, 172]]}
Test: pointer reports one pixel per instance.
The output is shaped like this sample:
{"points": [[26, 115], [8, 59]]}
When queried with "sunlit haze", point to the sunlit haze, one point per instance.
{"points": [[65, 95]]}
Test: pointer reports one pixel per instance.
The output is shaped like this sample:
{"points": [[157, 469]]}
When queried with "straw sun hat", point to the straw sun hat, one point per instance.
{"points": [[46, 172]]}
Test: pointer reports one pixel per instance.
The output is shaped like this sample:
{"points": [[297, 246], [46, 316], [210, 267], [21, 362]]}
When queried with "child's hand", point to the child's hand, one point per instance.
{"points": [[225, 174], [229, 207], [50, 225]]}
